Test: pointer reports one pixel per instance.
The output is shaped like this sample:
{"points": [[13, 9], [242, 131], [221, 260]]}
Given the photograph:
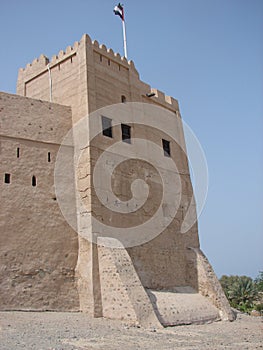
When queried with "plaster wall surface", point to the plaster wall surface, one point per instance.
{"points": [[161, 263], [38, 249]]}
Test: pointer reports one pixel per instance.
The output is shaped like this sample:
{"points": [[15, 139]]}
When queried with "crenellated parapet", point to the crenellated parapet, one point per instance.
{"points": [[152, 95], [31, 69], [33, 80], [114, 56], [165, 99], [42, 63]]}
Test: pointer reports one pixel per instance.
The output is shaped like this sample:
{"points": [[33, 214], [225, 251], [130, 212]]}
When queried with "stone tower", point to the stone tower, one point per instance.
{"points": [[165, 279]]}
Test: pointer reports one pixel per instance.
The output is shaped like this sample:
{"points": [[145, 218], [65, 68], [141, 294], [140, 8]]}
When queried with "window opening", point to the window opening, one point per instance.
{"points": [[166, 148], [34, 181], [106, 126], [7, 178], [126, 133]]}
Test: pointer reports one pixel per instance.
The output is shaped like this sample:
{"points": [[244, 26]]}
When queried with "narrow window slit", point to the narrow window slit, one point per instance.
{"points": [[34, 181], [18, 152], [49, 157]]}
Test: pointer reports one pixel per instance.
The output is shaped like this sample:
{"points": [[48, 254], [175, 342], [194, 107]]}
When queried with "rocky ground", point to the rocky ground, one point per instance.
{"points": [[76, 331]]}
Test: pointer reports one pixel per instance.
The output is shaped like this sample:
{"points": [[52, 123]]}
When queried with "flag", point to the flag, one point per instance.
{"points": [[119, 11]]}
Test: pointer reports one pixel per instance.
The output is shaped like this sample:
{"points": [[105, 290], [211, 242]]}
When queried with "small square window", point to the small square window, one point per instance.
{"points": [[126, 133], [166, 148], [7, 178], [106, 126]]}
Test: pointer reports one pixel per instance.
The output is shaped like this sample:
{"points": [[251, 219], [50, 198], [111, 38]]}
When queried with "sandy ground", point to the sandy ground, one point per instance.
{"points": [[76, 331]]}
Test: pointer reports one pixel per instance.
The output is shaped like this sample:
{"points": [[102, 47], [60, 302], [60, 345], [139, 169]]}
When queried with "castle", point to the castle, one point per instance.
{"points": [[61, 259]]}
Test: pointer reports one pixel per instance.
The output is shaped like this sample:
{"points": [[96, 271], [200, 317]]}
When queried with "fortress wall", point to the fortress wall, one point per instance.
{"points": [[30, 119], [112, 77], [163, 263], [160, 263], [38, 249]]}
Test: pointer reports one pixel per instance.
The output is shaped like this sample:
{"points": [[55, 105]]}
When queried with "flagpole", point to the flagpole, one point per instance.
{"points": [[119, 10], [124, 39]]}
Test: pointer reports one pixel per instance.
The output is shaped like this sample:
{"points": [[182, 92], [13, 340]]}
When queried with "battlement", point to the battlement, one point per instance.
{"points": [[42, 62], [101, 61], [37, 64], [161, 98]]}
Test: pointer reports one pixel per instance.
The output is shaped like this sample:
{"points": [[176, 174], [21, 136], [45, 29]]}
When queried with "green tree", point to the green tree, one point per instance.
{"points": [[241, 291], [227, 282]]}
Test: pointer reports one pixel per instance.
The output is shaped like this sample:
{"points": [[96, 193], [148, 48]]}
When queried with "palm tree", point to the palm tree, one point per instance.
{"points": [[242, 293]]}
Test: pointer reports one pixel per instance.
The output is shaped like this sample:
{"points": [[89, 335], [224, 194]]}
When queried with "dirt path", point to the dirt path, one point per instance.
{"points": [[76, 331]]}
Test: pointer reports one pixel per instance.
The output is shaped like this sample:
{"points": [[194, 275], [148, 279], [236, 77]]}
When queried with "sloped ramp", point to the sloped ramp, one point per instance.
{"points": [[182, 306], [122, 294]]}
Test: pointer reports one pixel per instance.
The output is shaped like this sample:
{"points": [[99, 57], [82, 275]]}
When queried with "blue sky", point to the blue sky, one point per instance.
{"points": [[207, 54]]}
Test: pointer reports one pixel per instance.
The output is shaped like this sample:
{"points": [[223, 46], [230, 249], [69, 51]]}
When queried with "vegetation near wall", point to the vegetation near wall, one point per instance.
{"points": [[244, 293]]}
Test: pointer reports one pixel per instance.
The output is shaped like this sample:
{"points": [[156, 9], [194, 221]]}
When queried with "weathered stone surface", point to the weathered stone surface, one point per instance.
{"points": [[122, 293], [181, 306], [209, 286]]}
